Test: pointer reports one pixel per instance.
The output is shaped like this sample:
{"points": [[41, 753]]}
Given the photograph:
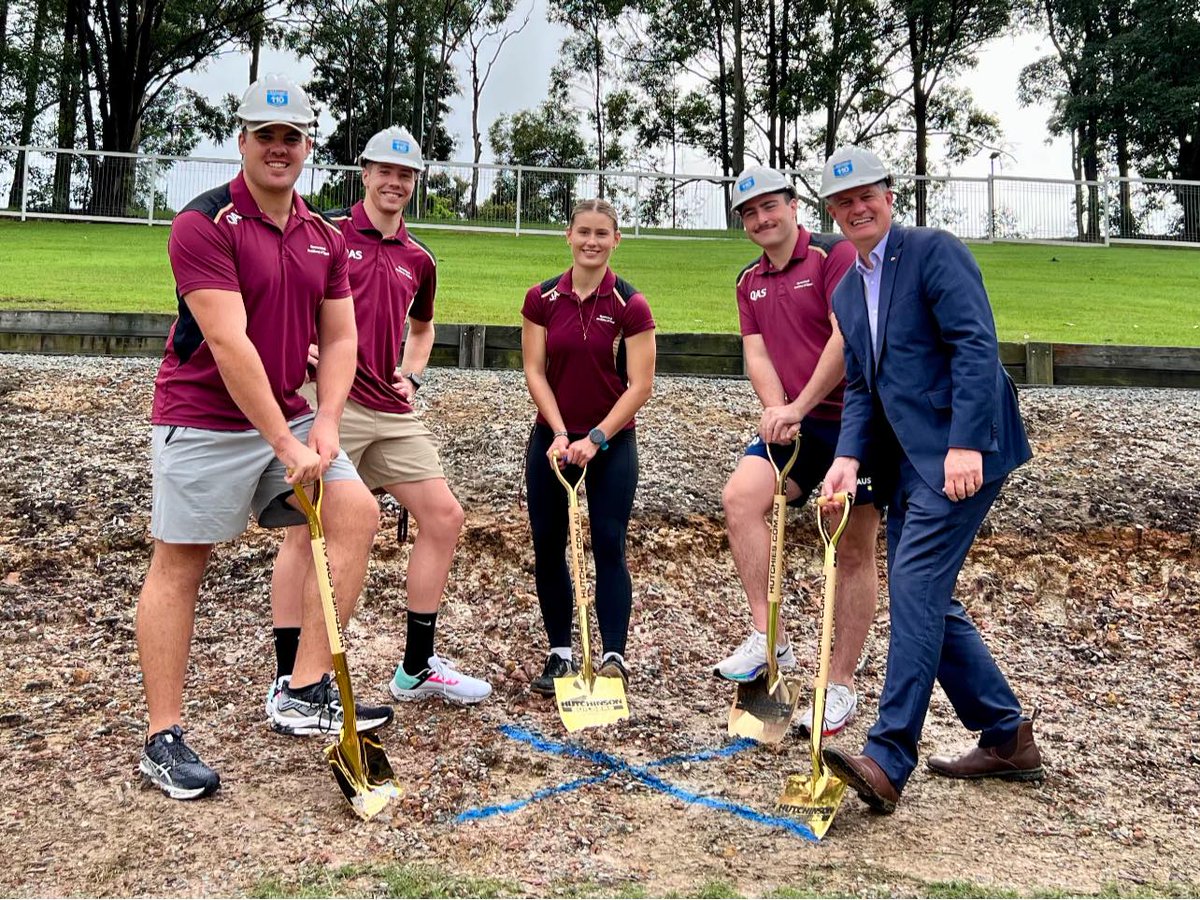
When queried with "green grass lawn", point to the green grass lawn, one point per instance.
{"points": [[1120, 295]]}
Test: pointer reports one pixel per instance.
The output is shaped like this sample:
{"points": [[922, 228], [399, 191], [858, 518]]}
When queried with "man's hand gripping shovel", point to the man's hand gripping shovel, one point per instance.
{"points": [[763, 708], [815, 797], [587, 699], [358, 761]]}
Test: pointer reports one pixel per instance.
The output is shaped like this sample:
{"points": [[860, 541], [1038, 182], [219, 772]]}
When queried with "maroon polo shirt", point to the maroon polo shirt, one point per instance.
{"points": [[585, 344], [392, 279], [790, 308], [222, 241]]}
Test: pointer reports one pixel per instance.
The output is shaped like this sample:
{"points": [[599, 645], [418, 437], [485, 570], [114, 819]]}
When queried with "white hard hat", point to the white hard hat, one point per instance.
{"points": [[758, 180], [851, 167], [394, 145], [276, 100]]}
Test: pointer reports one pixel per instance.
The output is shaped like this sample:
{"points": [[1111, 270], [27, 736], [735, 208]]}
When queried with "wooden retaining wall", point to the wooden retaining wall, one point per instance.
{"points": [[499, 347]]}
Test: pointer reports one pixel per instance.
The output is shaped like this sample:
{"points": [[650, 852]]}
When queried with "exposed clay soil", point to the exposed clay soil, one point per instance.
{"points": [[1084, 583]]}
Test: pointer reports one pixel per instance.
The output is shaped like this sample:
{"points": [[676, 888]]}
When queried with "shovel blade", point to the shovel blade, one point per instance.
{"points": [[763, 714], [363, 773], [582, 705], [812, 799]]}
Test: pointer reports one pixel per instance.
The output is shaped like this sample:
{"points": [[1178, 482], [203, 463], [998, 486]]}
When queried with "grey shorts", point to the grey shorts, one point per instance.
{"points": [[206, 483]]}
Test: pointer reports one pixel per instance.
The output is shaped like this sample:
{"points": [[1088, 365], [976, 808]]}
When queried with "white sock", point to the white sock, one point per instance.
{"points": [[613, 655], [563, 653]]}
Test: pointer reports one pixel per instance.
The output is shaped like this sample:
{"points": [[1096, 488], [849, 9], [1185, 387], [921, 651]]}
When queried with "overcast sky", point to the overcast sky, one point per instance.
{"points": [[519, 81]]}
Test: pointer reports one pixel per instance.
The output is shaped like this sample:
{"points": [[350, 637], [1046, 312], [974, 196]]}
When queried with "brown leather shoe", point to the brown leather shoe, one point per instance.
{"points": [[1018, 760], [864, 775]]}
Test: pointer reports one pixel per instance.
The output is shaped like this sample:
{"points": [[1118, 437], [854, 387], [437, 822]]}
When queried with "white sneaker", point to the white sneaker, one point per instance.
{"points": [[440, 679], [273, 693], [841, 704], [749, 660]]}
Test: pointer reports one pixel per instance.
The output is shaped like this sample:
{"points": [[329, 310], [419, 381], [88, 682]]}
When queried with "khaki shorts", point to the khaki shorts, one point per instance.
{"points": [[206, 483], [386, 448]]}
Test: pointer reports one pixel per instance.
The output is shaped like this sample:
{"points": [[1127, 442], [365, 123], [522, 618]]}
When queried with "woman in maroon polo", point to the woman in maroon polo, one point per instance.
{"points": [[587, 339]]}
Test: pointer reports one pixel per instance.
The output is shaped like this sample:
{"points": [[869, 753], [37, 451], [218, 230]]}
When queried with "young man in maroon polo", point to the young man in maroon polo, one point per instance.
{"points": [[794, 359], [259, 277], [394, 280]]}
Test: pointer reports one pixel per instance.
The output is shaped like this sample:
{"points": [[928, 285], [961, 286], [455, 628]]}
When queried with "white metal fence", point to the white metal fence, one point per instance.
{"points": [[44, 182]]}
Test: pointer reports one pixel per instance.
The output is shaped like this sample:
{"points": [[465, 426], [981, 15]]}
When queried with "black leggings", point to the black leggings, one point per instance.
{"points": [[611, 482]]}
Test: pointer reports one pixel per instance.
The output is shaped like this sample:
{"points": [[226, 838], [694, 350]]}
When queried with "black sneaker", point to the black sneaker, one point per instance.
{"points": [[614, 667], [317, 709], [174, 767], [556, 667]]}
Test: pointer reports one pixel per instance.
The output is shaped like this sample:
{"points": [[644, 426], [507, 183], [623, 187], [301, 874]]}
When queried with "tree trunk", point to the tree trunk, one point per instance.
{"points": [[1091, 172], [1187, 197], [738, 161], [772, 86], [597, 49], [1127, 224], [784, 90], [723, 124], [389, 63], [1077, 172], [68, 111], [920, 101], [3, 37], [33, 77], [256, 37], [476, 137]]}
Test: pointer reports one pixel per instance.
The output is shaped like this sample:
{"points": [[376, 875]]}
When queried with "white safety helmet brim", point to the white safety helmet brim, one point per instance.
{"points": [[257, 126]]}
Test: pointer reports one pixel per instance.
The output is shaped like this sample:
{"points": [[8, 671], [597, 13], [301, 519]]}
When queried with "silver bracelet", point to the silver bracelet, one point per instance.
{"points": [[561, 434]]}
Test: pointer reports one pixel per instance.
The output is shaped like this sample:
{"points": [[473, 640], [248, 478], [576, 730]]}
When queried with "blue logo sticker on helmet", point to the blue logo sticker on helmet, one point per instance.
{"points": [[746, 183], [400, 145], [842, 169], [277, 98]]}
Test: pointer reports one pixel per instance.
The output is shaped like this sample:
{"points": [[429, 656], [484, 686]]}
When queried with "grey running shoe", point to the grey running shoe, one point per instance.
{"points": [[172, 766], [317, 709]]}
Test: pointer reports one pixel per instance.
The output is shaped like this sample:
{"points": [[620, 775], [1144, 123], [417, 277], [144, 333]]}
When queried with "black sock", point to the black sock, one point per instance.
{"points": [[287, 641], [419, 646]]}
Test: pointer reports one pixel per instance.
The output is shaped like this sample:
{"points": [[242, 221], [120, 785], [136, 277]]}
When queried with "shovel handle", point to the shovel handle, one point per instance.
{"points": [[585, 645], [781, 472], [311, 508], [846, 501]]}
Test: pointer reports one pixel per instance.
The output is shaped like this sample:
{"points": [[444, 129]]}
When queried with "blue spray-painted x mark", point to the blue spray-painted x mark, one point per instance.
{"points": [[643, 774]]}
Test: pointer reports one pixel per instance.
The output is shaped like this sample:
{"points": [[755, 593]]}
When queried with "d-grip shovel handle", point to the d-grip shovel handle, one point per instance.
{"points": [[585, 644], [846, 500]]}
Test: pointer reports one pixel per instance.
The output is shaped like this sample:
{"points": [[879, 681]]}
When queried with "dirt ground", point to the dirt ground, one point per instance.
{"points": [[1084, 584]]}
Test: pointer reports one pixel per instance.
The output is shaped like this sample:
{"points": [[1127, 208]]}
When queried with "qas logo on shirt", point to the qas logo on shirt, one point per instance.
{"points": [[552, 296], [354, 254], [233, 218], [758, 294]]}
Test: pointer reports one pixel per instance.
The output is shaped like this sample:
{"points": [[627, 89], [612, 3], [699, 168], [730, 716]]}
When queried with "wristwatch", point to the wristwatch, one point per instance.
{"points": [[596, 436], [417, 380]]}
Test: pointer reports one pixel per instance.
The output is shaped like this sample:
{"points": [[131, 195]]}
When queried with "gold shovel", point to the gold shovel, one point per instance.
{"points": [[358, 761], [815, 798], [762, 709], [587, 699]]}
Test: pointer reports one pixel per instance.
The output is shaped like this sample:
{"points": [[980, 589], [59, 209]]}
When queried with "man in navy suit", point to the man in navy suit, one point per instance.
{"points": [[928, 403]]}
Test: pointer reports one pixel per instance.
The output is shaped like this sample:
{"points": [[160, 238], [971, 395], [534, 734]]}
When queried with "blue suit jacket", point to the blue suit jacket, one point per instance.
{"points": [[935, 373]]}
